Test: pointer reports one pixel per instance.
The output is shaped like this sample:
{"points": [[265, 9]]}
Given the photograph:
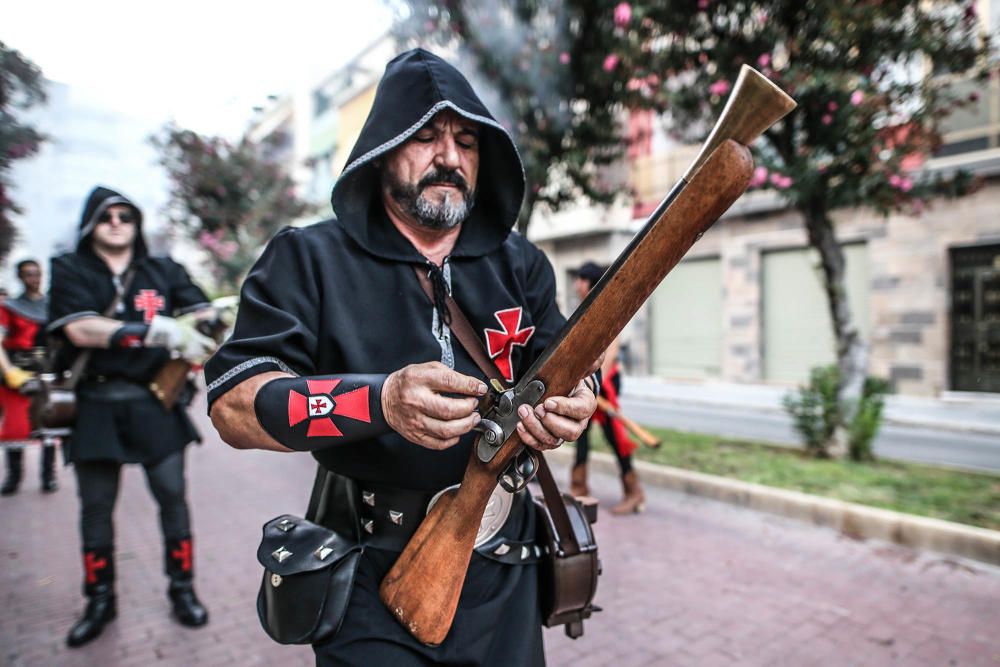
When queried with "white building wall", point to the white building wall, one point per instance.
{"points": [[89, 145]]}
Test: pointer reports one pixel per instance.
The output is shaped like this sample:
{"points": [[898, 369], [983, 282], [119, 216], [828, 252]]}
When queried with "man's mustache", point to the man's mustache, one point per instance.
{"points": [[450, 176]]}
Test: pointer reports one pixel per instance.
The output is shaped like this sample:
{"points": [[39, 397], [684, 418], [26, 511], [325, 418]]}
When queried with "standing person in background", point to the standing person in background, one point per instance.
{"points": [[634, 500], [21, 320], [119, 420]]}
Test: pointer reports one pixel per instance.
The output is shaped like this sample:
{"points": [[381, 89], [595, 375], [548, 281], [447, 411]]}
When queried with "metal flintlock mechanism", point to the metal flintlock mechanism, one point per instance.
{"points": [[423, 587]]}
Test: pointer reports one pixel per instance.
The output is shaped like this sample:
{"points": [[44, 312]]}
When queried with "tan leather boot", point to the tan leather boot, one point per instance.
{"points": [[578, 481], [634, 500]]}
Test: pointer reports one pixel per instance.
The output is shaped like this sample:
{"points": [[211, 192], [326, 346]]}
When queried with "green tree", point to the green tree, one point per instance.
{"points": [[21, 87], [873, 80], [229, 198]]}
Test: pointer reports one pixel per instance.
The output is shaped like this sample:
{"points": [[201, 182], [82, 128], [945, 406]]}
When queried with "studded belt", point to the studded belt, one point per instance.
{"points": [[389, 516]]}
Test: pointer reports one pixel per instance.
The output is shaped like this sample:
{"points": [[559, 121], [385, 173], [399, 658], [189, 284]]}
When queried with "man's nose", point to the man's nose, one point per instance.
{"points": [[447, 153]]}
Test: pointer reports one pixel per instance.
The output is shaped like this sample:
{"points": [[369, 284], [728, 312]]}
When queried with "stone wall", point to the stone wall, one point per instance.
{"points": [[909, 282], [908, 291]]}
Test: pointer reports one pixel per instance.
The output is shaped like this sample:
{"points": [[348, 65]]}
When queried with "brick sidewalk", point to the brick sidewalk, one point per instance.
{"points": [[690, 582]]}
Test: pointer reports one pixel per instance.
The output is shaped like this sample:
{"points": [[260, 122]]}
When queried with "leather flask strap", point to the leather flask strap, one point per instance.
{"points": [[466, 335]]}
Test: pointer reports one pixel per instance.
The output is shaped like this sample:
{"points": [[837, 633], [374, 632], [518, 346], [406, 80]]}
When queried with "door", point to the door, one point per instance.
{"points": [[975, 319], [798, 331], [686, 321]]}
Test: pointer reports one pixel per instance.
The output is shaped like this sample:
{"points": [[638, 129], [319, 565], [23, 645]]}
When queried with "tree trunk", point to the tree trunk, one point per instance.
{"points": [[852, 350]]}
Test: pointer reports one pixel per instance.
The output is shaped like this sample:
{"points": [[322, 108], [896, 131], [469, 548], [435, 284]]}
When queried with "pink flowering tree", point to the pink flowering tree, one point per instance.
{"points": [[873, 81], [21, 87], [228, 198]]}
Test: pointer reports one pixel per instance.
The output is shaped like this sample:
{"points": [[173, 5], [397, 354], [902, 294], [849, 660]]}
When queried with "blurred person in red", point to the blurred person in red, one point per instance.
{"points": [[21, 356], [634, 500]]}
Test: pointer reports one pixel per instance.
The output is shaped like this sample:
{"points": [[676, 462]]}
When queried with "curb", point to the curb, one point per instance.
{"points": [[851, 519]]}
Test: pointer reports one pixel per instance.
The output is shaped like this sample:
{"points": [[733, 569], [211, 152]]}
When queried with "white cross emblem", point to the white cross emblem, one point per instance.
{"points": [[320, 405]]}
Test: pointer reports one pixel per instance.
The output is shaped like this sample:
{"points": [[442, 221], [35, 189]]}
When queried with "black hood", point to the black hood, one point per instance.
{"points": [[417, 85], [99, 200]]}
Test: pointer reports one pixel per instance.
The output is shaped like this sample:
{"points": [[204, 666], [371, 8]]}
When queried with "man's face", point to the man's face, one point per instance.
{"points": [[115, 229], [432, 177], [30, 276], [582, 287]]}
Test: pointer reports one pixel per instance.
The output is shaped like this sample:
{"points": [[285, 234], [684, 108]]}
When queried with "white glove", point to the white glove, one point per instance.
{"points": [[180, 337]]}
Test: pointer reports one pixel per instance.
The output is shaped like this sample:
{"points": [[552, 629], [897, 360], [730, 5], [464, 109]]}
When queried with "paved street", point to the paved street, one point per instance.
{"points": [[690, 582]]}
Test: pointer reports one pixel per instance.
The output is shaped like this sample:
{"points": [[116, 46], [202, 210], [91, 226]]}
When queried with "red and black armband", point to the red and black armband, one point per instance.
{"points": [[309, 413], [129, 334]]}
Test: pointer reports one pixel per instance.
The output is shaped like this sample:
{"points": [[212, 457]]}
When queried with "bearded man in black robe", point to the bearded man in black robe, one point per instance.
{"points": [[337, 350]]}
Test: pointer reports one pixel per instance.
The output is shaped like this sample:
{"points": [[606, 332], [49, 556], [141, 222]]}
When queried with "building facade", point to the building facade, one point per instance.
{"points": [[747, 304]]}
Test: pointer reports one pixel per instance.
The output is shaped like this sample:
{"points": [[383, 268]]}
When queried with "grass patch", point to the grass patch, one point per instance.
{"points": [[964, 497]]}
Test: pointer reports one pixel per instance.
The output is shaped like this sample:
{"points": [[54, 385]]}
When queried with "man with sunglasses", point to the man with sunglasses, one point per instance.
{"points": [[155, 310]]}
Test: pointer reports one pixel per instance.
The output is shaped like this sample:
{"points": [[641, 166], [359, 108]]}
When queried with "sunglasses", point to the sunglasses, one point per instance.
{"points": [[124, 218]]}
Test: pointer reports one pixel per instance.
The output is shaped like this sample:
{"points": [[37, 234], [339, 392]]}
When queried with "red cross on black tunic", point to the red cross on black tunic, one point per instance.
{"points": [[149, 302]]}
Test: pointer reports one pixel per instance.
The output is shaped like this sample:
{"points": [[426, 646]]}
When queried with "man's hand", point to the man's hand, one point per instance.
{"points": [[15, 378], [180, 336], [415, 404], [559, 418]]}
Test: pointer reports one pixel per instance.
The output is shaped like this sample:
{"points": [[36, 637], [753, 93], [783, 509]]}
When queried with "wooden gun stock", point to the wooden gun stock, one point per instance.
{"points": [[169, 382], [423, 587], [644, 436]]}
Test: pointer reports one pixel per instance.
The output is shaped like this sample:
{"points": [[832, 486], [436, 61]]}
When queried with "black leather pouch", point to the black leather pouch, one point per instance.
{"points": [[309, 574]]}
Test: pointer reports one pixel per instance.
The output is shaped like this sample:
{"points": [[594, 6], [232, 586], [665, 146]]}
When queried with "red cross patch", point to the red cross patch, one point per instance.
{"points": [[500, 343], [184, 555], [91, 564], [321, 404], [149, 302]]}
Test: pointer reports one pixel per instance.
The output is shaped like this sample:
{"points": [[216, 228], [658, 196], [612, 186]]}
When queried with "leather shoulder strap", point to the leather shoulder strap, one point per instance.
{"points": [[80, 363], [466, 335], [462, 328]]}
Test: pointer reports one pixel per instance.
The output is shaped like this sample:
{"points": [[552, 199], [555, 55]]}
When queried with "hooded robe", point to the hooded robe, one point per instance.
{"points": [[341, 297], [82, 285]]}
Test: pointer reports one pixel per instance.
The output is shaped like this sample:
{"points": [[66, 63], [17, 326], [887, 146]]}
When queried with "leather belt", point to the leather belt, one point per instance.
{"points": [[100, 388], [389, 516]]}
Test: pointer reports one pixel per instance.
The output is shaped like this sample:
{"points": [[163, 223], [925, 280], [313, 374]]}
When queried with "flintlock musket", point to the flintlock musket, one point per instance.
{"points": [[423, 587]]}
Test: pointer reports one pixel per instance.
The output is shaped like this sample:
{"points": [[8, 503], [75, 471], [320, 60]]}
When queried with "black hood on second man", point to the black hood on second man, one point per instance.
{"points": [[416, 86], [100, 200]]}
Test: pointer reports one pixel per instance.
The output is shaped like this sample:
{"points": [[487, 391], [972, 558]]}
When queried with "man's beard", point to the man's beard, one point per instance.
{"points": [[443, 214]]}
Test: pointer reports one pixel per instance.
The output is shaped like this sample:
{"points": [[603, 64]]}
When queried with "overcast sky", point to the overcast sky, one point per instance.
{"points": [[205, 63]]}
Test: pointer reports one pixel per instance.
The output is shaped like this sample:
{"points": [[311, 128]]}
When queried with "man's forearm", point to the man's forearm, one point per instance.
{"points": [[281, 412], [94, 331], [233, 415]]}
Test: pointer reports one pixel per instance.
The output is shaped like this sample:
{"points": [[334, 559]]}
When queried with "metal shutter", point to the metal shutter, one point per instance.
{"points": [[686, 321]]}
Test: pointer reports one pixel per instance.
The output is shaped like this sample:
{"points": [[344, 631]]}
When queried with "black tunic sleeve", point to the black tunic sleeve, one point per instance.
{"points": [[71, 294], [185, 296], [276, 327]]}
